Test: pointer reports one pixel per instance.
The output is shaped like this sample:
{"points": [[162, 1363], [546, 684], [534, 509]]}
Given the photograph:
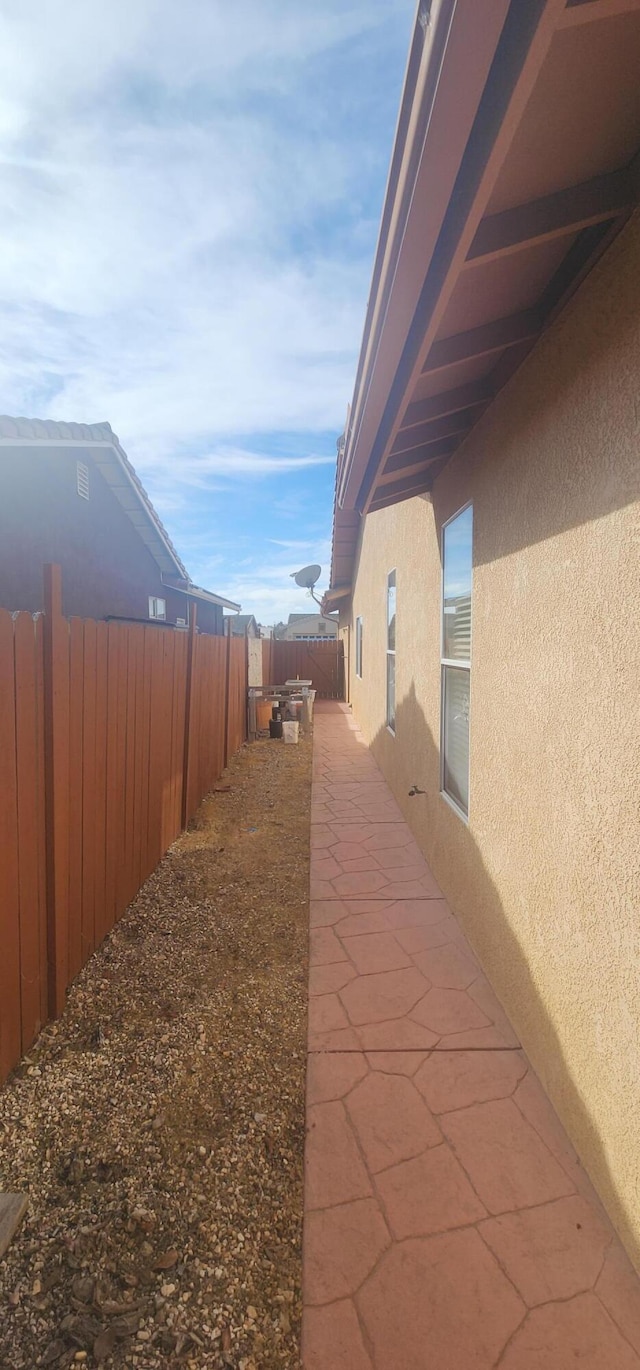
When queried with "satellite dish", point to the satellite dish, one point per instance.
{"points": [[307, 577]]}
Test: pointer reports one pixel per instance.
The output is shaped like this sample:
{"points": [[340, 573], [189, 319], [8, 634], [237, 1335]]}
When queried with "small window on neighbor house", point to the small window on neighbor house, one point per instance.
{"points": [[391, 651], [359, 647], [457, 573], [157, 607], [82, 479]]}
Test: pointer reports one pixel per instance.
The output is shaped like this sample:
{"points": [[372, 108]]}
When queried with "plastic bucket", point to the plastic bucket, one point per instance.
{"points": [[290, 731]]}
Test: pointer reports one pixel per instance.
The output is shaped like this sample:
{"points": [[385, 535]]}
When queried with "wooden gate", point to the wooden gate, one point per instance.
{"points": [[320, 662]]}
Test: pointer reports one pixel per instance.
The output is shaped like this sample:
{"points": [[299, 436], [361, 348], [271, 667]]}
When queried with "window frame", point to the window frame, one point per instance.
{"points": [[155, 600], [450, 663], [359, 634], [391, 651]]}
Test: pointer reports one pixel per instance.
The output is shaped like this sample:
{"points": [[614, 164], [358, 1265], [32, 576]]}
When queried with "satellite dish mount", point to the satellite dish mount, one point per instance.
{"points": [[306, 579]]}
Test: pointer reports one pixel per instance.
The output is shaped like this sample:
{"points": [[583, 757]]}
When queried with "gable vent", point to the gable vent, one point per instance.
{"points": [[82, 479]]}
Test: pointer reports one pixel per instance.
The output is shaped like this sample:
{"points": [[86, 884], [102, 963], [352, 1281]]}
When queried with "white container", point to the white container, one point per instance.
{"points": [[290, 732]]}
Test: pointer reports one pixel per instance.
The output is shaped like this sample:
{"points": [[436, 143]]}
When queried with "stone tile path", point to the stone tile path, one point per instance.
{"points": [[448, 1222]]}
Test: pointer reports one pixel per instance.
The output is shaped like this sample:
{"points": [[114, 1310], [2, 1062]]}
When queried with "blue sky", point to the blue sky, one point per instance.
{"points": [[191, 195]]}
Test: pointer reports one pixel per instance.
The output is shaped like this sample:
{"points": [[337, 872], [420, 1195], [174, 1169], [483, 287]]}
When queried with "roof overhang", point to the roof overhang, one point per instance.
{"points": [[514, 166], [195, 592], [331, 597]]}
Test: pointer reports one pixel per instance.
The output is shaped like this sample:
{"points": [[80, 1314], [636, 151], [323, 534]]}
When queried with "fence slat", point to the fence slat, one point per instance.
{"points": [[189, 718], [137, 644], [10, 1007], [56, 725], [29, 779], [42, 818], [101, 914], [130, 771], [88, 923], [76, 712], [121, 755]]}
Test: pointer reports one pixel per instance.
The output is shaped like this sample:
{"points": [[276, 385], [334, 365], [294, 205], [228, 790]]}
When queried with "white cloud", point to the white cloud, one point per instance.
{"points": [[268, 590], [146, 257], [185, 251]]}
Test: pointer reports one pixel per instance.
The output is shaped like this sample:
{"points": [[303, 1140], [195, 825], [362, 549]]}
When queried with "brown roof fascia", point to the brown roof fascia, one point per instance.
{"points": [[460, 44]]}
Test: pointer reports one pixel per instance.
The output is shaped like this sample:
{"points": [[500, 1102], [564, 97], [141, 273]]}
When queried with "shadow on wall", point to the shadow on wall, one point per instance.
{"points": [[505, 955], [562, 440]]}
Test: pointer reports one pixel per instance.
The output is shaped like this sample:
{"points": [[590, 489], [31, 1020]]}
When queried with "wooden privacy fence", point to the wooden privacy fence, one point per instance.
{"points": [[110, 735], [320, 662]]}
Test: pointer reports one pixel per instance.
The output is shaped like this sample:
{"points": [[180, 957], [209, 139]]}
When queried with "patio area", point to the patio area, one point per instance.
{"points": [[448, 1222]]}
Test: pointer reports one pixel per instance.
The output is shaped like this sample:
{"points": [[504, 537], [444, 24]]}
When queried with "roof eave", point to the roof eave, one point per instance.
{"points": [[195, 592], [443, 90]]}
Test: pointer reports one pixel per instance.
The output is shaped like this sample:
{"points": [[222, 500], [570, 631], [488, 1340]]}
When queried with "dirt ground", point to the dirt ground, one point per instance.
{"points": [[158, 1127]]}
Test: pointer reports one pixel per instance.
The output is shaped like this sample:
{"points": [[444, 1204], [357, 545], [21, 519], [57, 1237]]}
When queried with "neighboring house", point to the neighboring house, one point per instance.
{"points": [[69, 494], [241, 625], [487, 516], [307, 628]]}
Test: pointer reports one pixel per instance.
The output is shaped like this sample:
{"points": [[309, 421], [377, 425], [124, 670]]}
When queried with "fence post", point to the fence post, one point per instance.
{"points": [[226, 701], [56, 758], [188, 712], [246, 688]]}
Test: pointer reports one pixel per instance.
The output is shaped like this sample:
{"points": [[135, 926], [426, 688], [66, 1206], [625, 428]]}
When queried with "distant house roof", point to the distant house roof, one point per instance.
{"points": [[297, 618], [102, 445], [238, 624]]}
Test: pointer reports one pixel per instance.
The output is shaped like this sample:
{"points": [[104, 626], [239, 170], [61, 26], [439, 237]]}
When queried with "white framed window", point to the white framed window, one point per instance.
{"points": [[359, 647], [157, 607], [457, 577], [391, 652], [82, 479]]}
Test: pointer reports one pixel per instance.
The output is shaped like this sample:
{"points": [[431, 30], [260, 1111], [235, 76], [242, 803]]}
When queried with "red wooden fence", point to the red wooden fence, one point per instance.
{"points": [[110, 735], [320, 662]]}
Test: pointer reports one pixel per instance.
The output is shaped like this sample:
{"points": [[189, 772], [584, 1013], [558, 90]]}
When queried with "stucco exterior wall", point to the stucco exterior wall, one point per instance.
{"points": [[545, 877]]}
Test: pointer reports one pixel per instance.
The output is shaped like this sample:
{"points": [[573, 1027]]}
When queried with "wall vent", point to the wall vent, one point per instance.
{"points": [[82, 479]]}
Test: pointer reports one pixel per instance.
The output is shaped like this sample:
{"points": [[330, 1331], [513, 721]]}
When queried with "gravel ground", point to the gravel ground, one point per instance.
{"points": [[158, 1127]]}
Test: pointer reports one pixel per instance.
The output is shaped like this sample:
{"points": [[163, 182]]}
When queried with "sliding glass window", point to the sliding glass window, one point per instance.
{"points": [[457, 557], [359, 647], [391, 651]]}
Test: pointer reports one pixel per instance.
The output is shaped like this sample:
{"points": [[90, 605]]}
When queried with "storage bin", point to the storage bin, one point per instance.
{"points": [[290, 731]]}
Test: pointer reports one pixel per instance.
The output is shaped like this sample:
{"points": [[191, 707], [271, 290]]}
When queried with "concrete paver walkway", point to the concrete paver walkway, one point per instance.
{"points": [[448, 1222]]}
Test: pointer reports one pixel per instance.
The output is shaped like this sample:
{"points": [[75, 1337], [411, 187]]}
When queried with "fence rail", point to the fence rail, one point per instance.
{"points": [[110, 735]]}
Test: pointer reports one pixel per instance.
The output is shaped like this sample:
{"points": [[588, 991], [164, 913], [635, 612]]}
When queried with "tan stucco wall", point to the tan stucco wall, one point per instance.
{"points": [[546, 876]]}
